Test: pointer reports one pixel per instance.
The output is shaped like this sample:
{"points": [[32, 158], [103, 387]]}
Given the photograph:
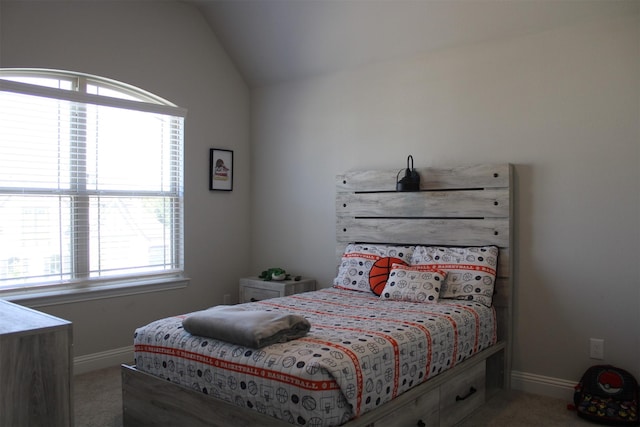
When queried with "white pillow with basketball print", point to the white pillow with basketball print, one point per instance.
{"points": [[414, 284], [471, 271]]}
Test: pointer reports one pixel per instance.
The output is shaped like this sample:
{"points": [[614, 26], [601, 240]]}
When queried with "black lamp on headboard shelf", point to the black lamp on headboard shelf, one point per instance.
{"points": [[411, 180]]}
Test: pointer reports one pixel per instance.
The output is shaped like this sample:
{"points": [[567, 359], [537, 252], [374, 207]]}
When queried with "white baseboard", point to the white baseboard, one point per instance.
{"points": [[103, 359], [546, 386]]}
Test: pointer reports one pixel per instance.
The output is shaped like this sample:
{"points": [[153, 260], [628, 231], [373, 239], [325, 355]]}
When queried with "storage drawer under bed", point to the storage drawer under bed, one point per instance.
{"points": [[445, 405], [462, 395], [422, 411]]}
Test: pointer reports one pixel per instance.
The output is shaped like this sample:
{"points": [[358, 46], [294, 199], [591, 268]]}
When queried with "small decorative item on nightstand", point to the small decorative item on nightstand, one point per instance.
{"points": [[275, 273], [257, 289]]}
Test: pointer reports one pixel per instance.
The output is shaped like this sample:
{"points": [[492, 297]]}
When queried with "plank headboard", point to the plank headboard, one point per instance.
{"points": [[459, 206]]}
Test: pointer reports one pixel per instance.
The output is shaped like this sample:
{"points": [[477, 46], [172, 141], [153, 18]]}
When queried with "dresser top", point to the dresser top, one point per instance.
{"points": [[15, 318]]}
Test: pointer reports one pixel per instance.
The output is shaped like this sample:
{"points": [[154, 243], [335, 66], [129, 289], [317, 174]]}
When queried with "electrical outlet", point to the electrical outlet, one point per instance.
{"points": [[596, 348]]}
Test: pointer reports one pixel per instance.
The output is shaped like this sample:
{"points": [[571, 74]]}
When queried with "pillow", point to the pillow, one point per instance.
{"points": [[357, 260], [471, 272], [379, 273], [413, 284]]}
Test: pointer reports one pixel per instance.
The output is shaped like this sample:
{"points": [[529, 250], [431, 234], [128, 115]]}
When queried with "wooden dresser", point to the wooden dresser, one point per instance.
{"points": [[36, 363]]}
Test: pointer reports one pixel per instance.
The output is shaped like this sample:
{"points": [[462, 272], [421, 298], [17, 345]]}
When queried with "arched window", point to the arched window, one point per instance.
{"points": [[91, 183]]}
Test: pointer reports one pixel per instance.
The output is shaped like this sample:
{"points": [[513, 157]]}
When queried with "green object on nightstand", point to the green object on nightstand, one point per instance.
{"points": [[275, 273]]}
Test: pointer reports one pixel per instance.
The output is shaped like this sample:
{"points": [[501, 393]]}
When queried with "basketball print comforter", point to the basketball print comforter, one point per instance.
{"points": [[361, 352]]}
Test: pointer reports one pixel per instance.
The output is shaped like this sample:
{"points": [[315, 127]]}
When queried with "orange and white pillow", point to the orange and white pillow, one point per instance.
{"points": [[358, 259]]}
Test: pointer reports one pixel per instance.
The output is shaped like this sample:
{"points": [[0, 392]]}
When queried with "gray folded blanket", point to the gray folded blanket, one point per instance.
{"points": [[249, 328]]}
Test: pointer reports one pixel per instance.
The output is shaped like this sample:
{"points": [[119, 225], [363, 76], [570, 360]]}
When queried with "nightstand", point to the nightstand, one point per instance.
{"points": [[256, 289]]}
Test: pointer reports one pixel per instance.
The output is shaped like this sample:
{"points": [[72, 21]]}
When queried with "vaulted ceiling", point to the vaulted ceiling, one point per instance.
{"points": [[272, 41]]}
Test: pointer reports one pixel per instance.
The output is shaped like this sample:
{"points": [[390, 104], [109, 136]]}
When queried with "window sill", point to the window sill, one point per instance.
{"points": [[72, 295]]}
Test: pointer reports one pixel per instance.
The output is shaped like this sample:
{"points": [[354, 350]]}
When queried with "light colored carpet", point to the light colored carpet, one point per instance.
{"points": [[98, 403], [519, 409], [98, 398]]}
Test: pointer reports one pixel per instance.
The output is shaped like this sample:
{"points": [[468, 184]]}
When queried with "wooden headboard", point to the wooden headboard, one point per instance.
{"points": [[459, 206]]}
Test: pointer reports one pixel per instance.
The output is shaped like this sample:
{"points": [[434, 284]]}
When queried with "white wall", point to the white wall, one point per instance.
{"points": [[168, 49], [563, 106]]}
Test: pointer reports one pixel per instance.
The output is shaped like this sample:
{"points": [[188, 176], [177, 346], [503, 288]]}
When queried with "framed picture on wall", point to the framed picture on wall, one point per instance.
{"points": [[220, 169]]}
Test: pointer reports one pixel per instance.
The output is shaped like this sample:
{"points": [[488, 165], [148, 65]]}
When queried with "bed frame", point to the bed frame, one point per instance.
{"points": [[460, 206]]}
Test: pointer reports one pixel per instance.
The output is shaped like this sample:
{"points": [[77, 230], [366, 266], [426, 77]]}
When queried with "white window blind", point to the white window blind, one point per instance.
{"points": [[91, 182]]}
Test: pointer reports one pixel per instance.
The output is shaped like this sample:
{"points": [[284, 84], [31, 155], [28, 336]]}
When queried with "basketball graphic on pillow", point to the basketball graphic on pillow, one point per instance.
{"points": [[379, 273]]}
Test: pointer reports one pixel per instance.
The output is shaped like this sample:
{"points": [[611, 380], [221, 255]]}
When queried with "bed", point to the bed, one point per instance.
{"points": [[368, 360]]}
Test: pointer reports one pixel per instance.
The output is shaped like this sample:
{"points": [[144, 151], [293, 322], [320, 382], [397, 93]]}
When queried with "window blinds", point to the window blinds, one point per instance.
{"points": [[91, 187]]}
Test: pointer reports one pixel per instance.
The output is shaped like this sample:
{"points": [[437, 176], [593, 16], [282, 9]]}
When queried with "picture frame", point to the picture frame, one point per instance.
{"points": [[220, 169]]}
